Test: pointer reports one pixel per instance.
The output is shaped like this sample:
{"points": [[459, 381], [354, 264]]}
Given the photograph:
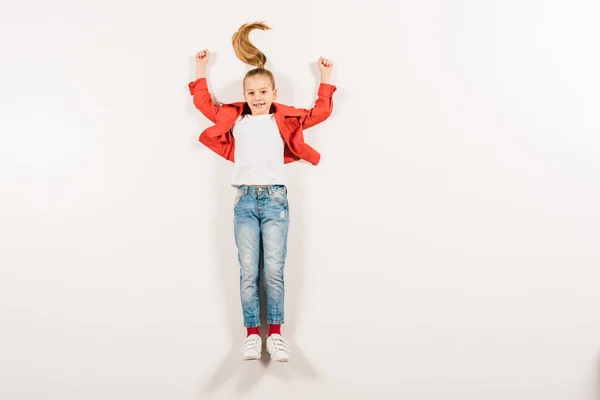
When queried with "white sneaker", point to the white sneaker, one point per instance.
{"points": [[278, 348], [252, 347]]}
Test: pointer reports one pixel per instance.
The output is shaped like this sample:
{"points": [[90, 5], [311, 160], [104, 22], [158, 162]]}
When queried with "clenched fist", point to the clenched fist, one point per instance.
{"points": [[325, 65], [202, 58]]}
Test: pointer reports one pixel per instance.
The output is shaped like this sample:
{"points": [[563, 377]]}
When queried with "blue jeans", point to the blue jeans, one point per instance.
{"points": [[261, 213]]}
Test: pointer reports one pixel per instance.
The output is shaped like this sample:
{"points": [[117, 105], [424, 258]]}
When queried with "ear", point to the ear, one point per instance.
{"points": [[274, 93]]}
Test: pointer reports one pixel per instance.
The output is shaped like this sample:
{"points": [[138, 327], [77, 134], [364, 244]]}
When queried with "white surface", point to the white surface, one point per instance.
{"points": [[450, 231]]}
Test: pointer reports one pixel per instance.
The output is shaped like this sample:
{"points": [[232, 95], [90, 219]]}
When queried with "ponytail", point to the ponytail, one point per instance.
{"points": [[244, 49], [249, 54]]}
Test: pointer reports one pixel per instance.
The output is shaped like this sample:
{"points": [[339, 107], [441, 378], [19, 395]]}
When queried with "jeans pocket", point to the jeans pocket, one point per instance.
{"points": [[280, 195], [238, 197]]}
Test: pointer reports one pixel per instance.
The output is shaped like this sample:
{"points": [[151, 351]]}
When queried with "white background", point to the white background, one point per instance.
{"points": [[447, 246]]}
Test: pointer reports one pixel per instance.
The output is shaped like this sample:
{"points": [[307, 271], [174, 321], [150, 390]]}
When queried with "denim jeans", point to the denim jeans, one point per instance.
{"points": [[261, 213]]}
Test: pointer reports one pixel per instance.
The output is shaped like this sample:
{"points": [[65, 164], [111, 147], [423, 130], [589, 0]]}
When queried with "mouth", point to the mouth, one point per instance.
{"points": [[259, 105]]}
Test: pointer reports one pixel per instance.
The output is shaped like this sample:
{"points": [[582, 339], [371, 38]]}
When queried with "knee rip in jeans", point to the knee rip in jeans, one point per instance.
{"points": [[247, 259]]}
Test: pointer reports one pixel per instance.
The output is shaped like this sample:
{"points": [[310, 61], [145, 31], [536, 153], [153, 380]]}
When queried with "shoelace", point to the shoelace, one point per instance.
{"points": [[250, 343]]}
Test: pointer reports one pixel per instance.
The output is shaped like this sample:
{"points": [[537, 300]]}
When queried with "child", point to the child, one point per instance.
{"points": [[260, 136]]}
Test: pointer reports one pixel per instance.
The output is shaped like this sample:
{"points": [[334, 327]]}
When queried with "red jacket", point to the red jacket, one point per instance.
{"points": [[290, 120]]}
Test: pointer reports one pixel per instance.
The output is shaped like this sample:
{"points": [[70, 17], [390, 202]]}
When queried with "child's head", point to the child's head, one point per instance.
{"points": [[259, 83]]}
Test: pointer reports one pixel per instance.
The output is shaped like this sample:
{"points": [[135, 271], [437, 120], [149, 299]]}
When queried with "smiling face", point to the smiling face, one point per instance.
{"points": [[259, 94]]}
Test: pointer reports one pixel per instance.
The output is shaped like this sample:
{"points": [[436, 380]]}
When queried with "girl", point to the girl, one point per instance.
{"points": [[260, 136]]}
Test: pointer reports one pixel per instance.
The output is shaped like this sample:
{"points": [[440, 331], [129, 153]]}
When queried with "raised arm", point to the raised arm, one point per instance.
{"points": [[199, 88], [324, 103]]}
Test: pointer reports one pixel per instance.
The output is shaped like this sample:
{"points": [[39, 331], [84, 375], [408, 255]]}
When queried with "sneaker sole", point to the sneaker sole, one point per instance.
{"points": [[280, 359]]}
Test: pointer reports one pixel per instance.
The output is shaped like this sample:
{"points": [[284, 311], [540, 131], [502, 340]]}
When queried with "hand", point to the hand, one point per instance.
{"points": [[202, 58], [325, 65]]}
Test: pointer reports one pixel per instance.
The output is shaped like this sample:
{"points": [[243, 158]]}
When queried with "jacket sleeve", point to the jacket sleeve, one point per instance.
{"points": [[322, 108], [203, 100]]}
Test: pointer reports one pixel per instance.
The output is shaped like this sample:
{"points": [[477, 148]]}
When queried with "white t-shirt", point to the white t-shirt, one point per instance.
{"points": [[258, 151]]}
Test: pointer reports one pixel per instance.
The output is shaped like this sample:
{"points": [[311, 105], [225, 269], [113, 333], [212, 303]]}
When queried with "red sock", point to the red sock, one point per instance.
{"points": [[253, 331], [276, 328]]}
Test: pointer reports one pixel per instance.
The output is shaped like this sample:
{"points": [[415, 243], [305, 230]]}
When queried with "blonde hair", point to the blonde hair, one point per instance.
{"points": [[249, 54]]}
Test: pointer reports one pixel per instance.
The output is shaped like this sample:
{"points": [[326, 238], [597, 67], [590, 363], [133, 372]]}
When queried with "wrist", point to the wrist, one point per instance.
{"points": [[200, 71], [326, 78]]}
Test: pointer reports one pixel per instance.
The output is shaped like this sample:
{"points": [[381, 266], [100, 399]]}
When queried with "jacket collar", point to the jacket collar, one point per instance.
{"points": [[282, 109], [288, 111]]}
